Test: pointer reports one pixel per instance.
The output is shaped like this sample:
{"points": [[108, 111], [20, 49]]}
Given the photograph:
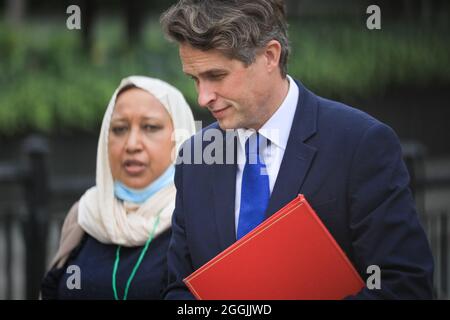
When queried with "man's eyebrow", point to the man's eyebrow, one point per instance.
{"points": [[208, 72]]}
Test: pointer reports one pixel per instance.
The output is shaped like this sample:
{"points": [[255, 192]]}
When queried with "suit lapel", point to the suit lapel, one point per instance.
{"points": [[224, 188], [298, 156]]}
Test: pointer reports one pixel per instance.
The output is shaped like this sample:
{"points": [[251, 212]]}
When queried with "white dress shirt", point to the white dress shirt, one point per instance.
{"points": [[276, 130]]}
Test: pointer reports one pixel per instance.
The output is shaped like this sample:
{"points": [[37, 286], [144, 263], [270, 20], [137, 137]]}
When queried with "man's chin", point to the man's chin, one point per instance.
{"points": [[226, 125]]}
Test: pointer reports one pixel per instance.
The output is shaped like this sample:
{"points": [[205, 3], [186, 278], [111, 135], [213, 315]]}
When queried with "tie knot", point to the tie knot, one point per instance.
{"points": [[254, 146]]}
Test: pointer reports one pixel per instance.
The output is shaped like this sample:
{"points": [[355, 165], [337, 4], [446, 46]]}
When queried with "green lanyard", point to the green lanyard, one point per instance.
{"points": [[138, 263]]}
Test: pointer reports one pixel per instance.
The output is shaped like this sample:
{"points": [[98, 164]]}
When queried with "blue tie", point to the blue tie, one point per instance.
{"points": [[255, 192]]}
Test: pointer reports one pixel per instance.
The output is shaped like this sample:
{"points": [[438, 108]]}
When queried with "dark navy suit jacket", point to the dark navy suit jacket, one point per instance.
{"points": [[349, 167]]}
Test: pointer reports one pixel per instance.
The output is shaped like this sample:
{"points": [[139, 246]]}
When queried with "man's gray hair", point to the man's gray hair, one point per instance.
{"points": [[238, 28]]}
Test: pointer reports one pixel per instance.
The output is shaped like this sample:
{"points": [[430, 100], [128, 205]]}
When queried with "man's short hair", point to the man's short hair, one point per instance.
{"points": [[237, 28]]}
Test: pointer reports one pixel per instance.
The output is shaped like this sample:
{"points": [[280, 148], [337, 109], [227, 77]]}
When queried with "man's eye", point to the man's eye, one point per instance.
{"points": [[217, 76]]}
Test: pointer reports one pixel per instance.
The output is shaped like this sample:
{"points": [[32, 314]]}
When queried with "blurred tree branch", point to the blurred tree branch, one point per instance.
{"points": [[134, 10], [88, 12]]}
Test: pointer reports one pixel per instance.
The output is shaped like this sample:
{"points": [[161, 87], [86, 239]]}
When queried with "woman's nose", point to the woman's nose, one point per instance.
{"points": [[134, 141]]}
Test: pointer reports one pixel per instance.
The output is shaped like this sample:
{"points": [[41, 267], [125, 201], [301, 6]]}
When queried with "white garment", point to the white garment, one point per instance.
{"points": [[276, 130], [110, 220]]}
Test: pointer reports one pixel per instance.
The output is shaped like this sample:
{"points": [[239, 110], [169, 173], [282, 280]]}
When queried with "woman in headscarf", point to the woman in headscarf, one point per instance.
{"points": [[114, 240]]}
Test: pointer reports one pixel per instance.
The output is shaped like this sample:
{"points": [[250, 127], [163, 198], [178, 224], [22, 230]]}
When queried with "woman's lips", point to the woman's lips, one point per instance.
{"points": [[134, 167]]}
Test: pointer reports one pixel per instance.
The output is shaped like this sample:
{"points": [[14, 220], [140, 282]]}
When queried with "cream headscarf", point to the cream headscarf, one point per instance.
{"points": [[110, 220]]}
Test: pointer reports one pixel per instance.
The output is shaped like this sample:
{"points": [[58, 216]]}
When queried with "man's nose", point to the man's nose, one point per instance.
{"points": [[206, 94]]}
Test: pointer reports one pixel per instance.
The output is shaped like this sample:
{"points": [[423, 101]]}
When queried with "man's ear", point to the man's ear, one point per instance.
{"points": [[272, 53]]}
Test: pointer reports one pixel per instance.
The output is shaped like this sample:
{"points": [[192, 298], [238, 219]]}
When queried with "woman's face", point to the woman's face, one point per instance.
{"points": [[140, 139]]}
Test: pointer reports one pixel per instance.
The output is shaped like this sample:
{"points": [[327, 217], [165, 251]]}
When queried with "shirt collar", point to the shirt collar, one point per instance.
{"points": [[278, 127]]}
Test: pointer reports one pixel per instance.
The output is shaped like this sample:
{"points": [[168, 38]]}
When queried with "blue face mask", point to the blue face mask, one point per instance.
{"points": [[139, 196]]}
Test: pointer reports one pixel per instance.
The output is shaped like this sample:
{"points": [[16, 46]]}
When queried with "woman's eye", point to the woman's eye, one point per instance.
{"points": [[151, 128], [119, 130]]}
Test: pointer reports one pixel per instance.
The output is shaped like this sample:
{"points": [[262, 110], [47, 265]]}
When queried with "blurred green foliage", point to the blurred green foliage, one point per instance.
{"points": [[48, 83], [346, 59]]}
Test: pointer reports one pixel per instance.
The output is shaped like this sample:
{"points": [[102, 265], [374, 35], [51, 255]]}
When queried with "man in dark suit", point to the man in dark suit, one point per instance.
{"points": [[347, 164]]}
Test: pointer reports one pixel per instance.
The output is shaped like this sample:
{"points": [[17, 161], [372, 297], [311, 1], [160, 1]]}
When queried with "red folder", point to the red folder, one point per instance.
{"points": [[289, 256]]}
